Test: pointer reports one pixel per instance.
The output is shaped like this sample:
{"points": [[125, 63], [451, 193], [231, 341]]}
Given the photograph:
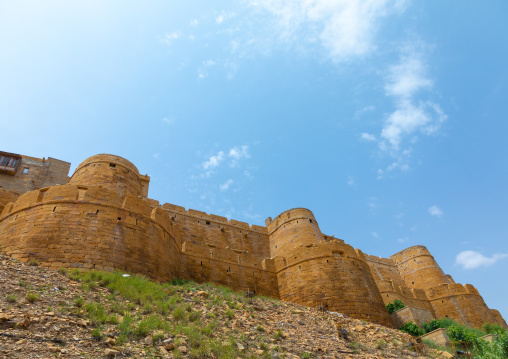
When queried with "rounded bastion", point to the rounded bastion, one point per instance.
{"points": [[314, 270], [90, 223], [109, 171]]}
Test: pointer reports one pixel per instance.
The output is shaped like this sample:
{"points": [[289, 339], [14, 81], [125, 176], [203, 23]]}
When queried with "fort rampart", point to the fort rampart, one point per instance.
{"points": [[101, 218]]}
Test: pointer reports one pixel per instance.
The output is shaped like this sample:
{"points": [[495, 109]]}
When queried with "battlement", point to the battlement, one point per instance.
{"points": [[103, 219], [210, 219]]}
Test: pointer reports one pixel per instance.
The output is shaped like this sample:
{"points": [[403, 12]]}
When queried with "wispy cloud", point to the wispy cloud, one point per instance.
{"points": [[345, 28], [223, 16], [374, 234], [168, 120], [368, 137], [435, 211], [213, 161], [406, 82], [194, 22], [473, 260], [225, 186], [237, 153], [168, 39]]}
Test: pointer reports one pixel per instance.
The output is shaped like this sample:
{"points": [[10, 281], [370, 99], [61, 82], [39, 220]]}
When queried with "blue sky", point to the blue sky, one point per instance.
{"points": [[386, 118]]}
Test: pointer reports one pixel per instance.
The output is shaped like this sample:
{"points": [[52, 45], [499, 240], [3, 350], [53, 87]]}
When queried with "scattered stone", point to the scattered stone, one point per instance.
{"points": [[182, 349], [111, 352], [168, 344], [148, 340]]}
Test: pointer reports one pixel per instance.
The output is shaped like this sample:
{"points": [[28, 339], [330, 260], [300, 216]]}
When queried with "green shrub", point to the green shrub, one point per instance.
{"points": [[412, 329], [438, 323], [394, 306], [490, 328], [11, 298], [32, 297], [33, 262]]}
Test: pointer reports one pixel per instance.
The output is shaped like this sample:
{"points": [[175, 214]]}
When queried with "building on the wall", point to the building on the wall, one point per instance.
{"points": [[102, 218], [20, 174]]}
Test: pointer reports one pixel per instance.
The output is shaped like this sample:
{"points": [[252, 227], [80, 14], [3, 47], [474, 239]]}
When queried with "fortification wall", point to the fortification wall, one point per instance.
{"points": [[313, 270], [292, 228], [462, 303], [103, 219], [418, 268], [384, 269], [7, 197], [33, 173], [71, 226], [217, 231], [499, 318], [113, 172], [332, 274], [238, 270]]}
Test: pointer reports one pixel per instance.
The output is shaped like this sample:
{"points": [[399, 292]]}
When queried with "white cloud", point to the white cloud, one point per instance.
{"points": [[225, 186], [345, 28], [209, 63], [472, 259], [237, 153], [405, 80], [214, 161], [374, 234], [435, 211], [194, 22], [368, 137], [155, 155], [169, 38], [223, 16], [403, 240]]}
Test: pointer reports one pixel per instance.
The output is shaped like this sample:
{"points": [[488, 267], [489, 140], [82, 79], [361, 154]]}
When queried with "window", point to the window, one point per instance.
{"points": [[9, 163], [25, 170], [112, 165]]}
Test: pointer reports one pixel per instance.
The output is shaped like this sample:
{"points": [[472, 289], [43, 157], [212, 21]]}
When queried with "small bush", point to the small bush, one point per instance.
{"points": [[11, 298], [278, 335], [32, 297], [412, 329], [78, 302], [438, 323], [394, 306], [490, 328], [62, 271], [179, 314], [33, 263], [260, 328], [381, 344]]}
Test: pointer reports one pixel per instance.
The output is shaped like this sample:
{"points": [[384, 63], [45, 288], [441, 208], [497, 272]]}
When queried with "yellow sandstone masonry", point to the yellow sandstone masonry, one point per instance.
{"points": [[101, 218]]}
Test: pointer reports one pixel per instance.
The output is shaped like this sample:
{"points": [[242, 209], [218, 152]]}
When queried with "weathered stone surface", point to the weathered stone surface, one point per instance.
{"points": [[101, 218]]}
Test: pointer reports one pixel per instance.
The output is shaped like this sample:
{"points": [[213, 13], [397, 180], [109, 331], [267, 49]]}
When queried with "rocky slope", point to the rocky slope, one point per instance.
{"points": [[46, 313]]}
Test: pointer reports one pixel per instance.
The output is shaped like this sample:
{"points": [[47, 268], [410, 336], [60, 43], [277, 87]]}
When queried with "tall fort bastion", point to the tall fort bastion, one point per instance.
{"points": [[101, 218]]}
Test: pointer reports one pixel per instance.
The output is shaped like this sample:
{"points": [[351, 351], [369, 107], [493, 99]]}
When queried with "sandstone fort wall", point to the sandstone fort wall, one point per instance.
{"points": [[103, 219]]}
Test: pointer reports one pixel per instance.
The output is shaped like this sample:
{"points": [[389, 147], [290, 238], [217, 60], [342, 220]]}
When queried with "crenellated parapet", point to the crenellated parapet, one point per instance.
{"points": [[219, 231]]}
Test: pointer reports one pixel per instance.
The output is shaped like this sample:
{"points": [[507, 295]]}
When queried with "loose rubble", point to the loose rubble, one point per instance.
{"points": [[36, 322]]}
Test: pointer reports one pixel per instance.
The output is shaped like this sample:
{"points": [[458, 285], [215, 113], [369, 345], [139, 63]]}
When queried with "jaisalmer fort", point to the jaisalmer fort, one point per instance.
{"points": [[102, 218]]}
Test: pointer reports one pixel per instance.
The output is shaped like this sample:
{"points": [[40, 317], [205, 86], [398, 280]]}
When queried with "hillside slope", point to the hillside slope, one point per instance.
{"points": [[46, 313]]}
